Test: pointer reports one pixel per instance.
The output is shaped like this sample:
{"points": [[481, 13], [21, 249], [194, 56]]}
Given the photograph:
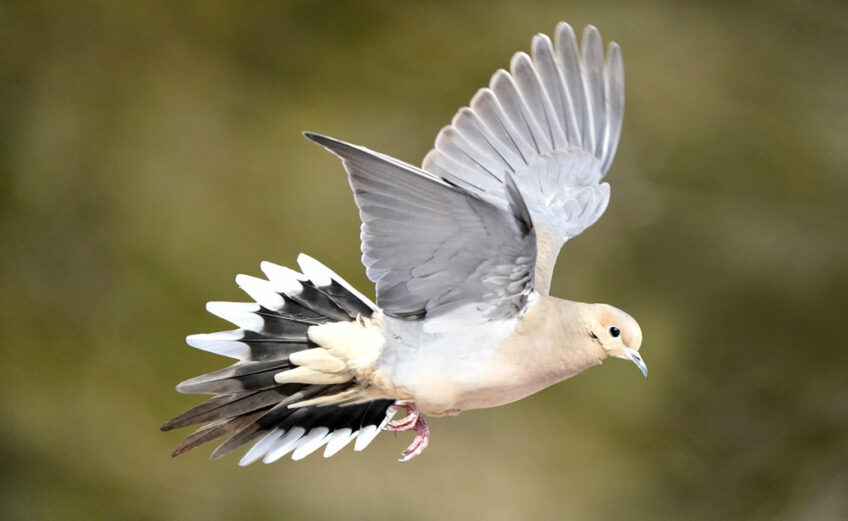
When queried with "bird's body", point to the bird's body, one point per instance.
{"points": [[447, 372], [462, 251]]}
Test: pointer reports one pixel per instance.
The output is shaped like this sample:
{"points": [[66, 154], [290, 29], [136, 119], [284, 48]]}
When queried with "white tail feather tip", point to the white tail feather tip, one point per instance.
{"points": [[261, 291], [338, 440], [239, 313], [283, 280], [324, 276], [319, 274], [224, 343], [313, 441], [284, 445], [261, 447], [366, 436]]}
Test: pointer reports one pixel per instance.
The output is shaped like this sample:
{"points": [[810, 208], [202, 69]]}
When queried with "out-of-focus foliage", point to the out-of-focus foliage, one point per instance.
{"points": [[149, 151]]}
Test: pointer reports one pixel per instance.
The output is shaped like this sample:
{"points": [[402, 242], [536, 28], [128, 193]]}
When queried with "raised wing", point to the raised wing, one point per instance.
{"points": [[432, 247], [553, 125]]}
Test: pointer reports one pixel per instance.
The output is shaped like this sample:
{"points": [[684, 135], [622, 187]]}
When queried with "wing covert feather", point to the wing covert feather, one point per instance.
{"points": [[432, 246]]}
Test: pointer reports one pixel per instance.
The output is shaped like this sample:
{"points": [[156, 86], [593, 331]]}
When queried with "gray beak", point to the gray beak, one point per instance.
{"points": [[637, 359]]}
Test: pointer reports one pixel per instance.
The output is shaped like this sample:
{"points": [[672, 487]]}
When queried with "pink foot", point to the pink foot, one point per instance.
{"points": [[407, 422], [412, 420]]}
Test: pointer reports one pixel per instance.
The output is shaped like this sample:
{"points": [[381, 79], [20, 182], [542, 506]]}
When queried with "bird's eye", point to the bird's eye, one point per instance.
{"points": [[614, 331]]}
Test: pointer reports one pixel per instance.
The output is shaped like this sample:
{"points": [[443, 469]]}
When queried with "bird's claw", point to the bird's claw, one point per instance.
{"points": [[412, 420]]}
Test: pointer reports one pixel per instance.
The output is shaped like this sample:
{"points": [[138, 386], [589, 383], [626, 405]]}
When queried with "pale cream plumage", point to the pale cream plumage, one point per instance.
{"points": [[554, 340]]}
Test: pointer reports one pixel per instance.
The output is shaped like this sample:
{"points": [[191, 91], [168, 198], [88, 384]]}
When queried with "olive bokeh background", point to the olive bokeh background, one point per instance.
{"points": [[150, 151]]}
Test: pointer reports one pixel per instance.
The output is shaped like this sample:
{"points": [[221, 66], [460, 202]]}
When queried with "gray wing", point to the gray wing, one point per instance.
{"points": [[432, 247], [553, 124]]}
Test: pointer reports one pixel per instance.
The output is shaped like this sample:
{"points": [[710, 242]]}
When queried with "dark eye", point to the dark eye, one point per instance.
{"points": [[614, 331]]}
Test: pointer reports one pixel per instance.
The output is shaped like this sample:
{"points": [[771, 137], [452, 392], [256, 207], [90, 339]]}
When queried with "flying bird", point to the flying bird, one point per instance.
{"points": [[461, 251]]}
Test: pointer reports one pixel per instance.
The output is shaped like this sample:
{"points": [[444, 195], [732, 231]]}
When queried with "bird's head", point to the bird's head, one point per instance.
{"points": [[618, 333]]}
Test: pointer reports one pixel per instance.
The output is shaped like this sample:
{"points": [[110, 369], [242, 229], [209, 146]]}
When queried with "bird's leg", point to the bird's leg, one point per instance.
{"points": [[412, 420]]}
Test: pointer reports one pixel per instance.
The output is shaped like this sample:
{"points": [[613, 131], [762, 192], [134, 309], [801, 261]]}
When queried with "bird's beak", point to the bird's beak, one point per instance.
{"points": [[637, 359]]}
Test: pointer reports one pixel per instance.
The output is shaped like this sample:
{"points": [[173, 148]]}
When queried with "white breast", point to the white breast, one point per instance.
{"points": [[436, 370]]}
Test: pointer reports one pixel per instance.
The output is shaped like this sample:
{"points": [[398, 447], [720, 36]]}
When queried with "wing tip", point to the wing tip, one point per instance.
{"points": [[520, 58], [331, 144], [614, 58], [541, 45], [314, 137], [563, 26], [590, 31], [565, 34], [499, 76], [482, 94]]}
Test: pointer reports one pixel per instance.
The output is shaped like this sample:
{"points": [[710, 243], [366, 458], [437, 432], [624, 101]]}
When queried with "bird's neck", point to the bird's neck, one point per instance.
{"points": [[554, 341]]}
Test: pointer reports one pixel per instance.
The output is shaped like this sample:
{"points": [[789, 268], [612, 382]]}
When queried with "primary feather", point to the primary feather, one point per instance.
{"points": [[553, 124]]}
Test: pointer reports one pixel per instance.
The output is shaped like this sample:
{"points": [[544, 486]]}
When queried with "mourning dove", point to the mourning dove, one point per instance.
{"points": [[461, 251]]}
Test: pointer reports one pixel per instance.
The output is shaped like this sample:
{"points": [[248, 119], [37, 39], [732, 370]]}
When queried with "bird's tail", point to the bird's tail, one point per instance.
{"points": [[248, 403]]}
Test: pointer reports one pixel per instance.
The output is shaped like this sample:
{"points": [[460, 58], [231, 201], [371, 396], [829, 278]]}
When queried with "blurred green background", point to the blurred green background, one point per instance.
{"points": [[150, 151]]}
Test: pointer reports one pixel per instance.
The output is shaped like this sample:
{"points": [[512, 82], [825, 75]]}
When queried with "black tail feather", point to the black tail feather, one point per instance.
{"points": [[215, 430], [226, 406], [239, 377]]}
